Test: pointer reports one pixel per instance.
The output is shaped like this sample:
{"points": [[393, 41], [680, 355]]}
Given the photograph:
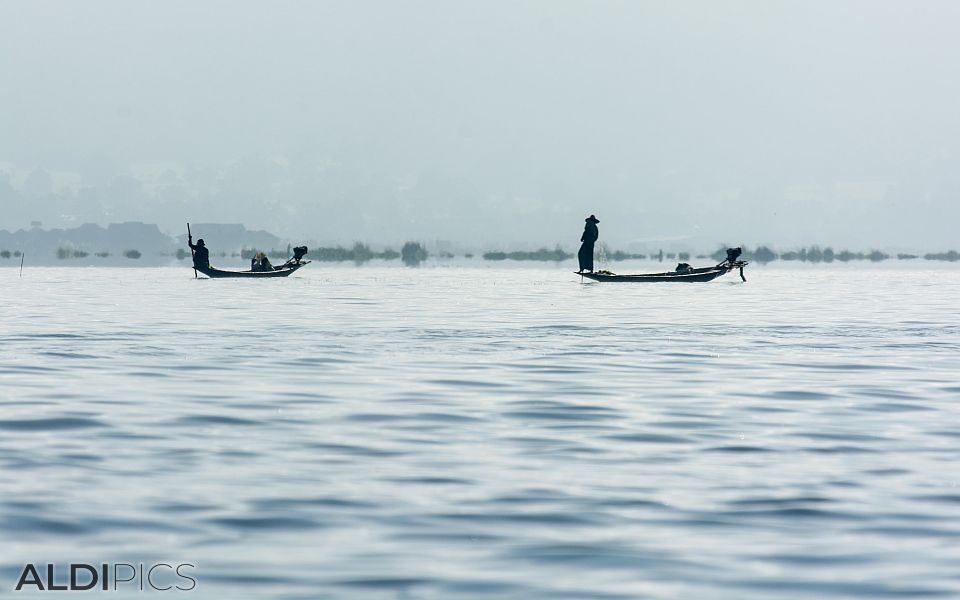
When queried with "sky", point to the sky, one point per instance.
{"points": [[492, 124]]}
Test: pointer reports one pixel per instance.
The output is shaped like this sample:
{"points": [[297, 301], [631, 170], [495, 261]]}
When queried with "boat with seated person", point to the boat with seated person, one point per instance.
{"points": [[287, 268]]}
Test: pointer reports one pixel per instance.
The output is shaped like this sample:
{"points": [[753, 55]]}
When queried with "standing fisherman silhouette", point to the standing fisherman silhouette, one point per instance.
{"points": [[201, 256], [589, 238]]}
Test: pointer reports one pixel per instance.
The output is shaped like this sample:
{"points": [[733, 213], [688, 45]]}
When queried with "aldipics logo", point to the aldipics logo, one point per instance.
{"points": [[79, 577]]}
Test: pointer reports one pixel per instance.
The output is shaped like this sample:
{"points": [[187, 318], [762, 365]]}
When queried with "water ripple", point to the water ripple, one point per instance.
{"points": [[466, 433]]}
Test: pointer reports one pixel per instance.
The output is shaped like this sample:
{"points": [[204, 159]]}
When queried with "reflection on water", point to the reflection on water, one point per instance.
{"points": [[473, 432]]}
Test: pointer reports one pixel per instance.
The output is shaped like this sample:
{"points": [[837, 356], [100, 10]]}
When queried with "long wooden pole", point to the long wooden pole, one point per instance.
{"points": [[22, 256], [192, 253]]}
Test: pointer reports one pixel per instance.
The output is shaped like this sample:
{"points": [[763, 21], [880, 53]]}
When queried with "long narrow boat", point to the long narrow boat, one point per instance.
{"points": [[278, 272], [691, 275]]}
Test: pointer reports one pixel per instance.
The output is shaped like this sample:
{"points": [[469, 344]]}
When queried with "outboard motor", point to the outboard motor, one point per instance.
{"points": [[733, 254]]}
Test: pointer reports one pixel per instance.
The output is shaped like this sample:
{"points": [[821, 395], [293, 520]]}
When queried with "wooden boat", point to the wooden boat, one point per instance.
{"points": [[281, 271], [692, 275]]}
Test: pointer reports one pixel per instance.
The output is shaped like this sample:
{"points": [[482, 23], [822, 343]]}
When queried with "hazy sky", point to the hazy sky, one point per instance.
{"points": [[497, 123]]}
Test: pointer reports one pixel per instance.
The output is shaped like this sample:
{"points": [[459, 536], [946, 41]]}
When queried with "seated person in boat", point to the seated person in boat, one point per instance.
{"points": [[260, 263], [683, 268], [201, 256]]}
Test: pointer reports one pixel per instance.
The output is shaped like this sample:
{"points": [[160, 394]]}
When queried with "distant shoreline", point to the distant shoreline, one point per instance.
{"points": [[133, 243], [414, 253]]}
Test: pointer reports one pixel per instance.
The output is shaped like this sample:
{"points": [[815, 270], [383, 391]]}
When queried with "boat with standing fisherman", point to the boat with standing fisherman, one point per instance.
{"points": [[683, 272], [260, 267]]}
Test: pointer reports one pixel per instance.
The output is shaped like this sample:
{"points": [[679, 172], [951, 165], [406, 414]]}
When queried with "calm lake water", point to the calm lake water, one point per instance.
{"points": [[471, 432]]}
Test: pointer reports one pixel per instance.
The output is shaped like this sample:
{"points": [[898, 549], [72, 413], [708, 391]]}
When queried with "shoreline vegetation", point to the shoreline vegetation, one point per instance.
{"points": [[816, 254], [413, 253]]}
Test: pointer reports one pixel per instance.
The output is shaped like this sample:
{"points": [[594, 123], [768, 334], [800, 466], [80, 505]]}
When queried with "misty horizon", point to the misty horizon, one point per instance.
{"points": [[489, 125]]}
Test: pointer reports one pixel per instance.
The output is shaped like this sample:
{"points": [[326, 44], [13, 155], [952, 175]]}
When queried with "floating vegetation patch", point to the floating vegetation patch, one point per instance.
{"points": [[359, 253], [951, 256], [543, 254], [64, 253], [813, 254], [621, 255]]}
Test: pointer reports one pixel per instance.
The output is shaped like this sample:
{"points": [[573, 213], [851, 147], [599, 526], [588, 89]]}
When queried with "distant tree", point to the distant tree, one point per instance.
{"points": [[5, 254], [361, 252], [413, 254], [764, 255], [134, 254]]}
